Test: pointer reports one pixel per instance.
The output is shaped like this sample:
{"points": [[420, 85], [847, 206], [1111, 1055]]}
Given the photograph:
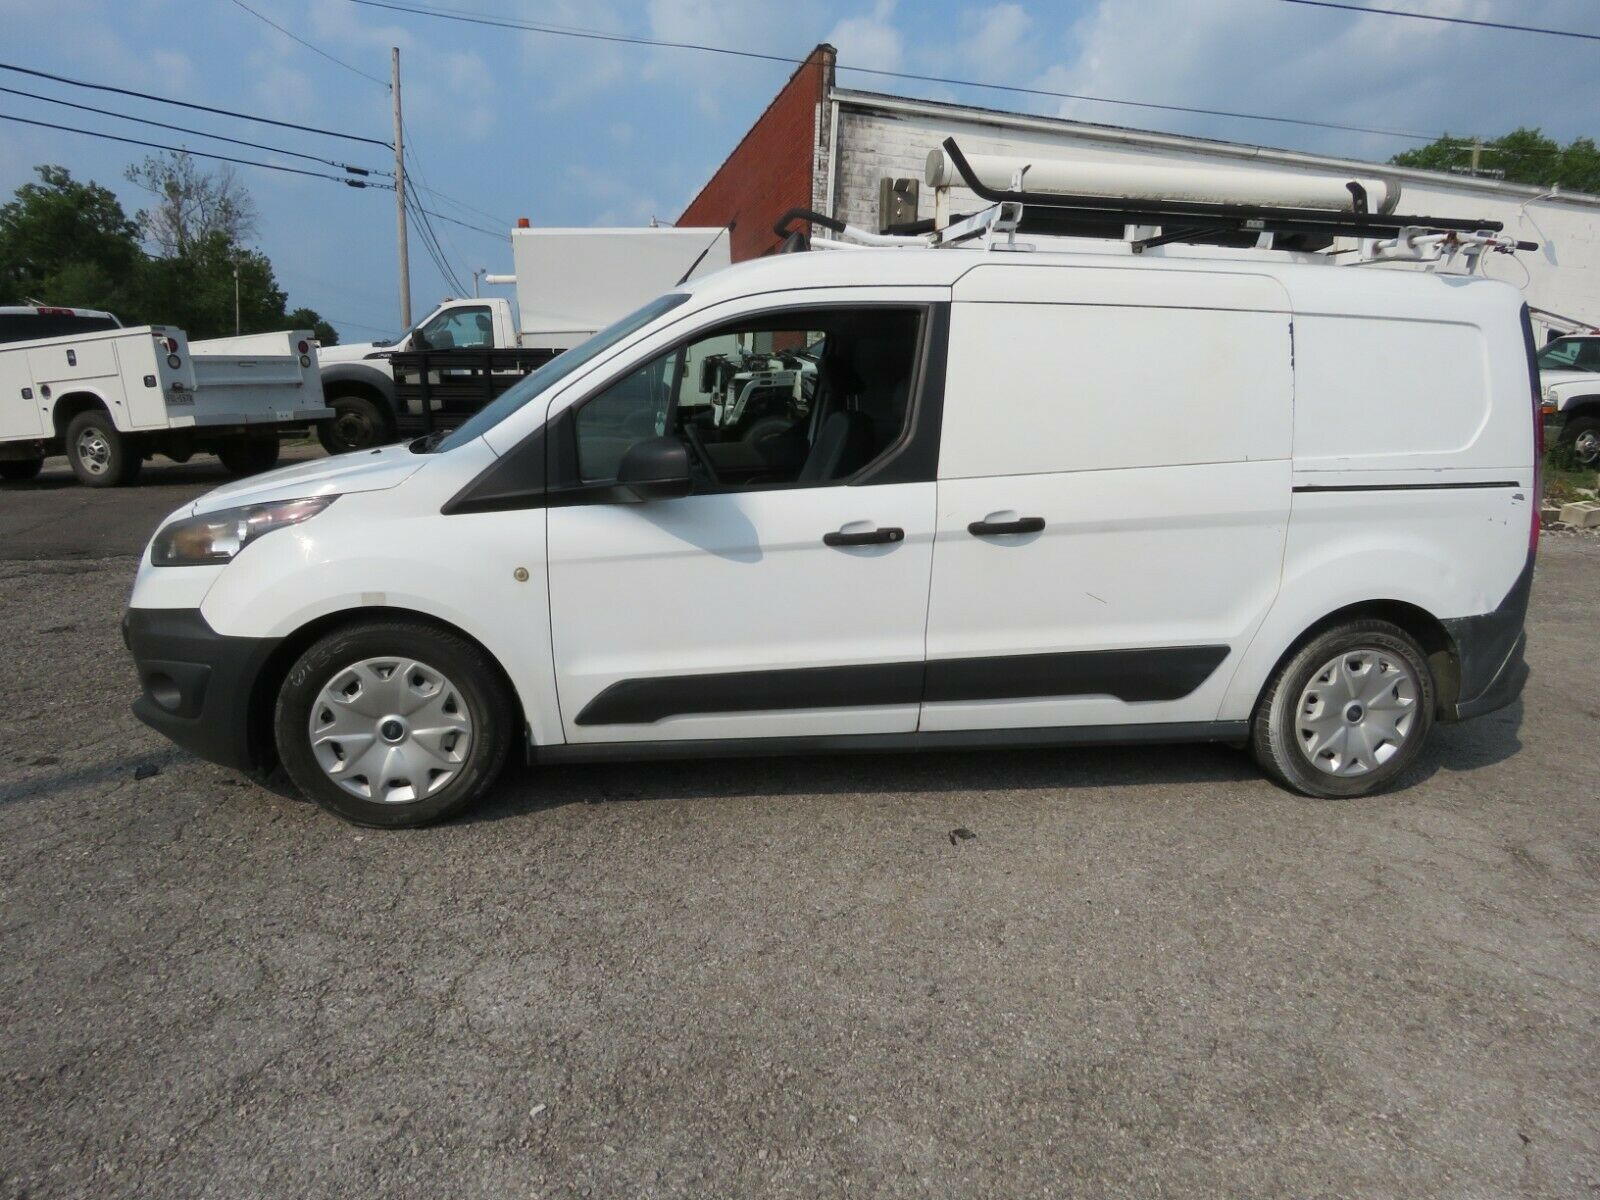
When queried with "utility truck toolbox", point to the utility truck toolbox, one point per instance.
{"points": [[938, 532], [108, 397]]}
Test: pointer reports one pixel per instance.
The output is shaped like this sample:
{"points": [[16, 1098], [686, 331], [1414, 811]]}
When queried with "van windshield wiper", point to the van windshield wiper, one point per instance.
{"points": [[428, 442]]}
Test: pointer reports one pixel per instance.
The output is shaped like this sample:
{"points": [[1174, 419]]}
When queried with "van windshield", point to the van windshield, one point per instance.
{"points": [[557, 369]]}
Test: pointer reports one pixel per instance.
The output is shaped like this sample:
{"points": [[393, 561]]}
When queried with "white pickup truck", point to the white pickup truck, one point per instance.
{"points": [[570, 284], [76, 381], [1569, 382]]}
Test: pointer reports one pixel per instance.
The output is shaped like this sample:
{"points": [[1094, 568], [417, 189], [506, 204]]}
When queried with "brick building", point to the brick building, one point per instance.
{"points": [[828, 148]]}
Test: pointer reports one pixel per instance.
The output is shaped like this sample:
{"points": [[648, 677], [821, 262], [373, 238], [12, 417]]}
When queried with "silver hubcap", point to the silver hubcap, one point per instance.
{"points": [[94, 452], [392, 730], [1357, 711], [1586, 446]]}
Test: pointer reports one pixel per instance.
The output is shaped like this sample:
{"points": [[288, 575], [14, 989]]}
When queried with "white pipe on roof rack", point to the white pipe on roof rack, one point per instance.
{"points": [[1212, 185]]}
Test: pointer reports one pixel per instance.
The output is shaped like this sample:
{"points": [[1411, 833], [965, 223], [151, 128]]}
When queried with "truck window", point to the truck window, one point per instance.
{"points": [[25, 327], [1560, 355], [458, 329]]}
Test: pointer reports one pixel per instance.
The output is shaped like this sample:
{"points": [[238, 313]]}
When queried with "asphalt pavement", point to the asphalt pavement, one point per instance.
{"points": [[1149, 973]]}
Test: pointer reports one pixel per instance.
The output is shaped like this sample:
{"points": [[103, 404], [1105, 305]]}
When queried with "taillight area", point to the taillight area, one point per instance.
{"points": [[172, 345], [303, 346], [1536, 501]]}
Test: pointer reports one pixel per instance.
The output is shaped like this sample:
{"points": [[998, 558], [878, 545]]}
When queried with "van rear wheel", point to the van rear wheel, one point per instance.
{"points": [[393, 723], [1348, 714]]}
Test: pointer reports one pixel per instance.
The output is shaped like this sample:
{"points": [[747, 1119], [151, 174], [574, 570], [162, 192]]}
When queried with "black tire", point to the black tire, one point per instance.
{"points": [[357, 424], [20, 470], [1583, 435], [249, 456], [475, 687], [99, 455], [1275, 736]]}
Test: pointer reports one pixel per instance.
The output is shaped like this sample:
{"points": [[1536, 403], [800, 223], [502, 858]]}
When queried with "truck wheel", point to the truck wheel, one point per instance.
{"points": [[1348, 714], [357, 424], [18, 470], [99, 455], [393, 723], [249, 456], [1583, 435]]}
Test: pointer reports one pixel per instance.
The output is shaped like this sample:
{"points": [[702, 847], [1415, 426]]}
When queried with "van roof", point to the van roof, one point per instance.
{"points": [[1313, 283]]}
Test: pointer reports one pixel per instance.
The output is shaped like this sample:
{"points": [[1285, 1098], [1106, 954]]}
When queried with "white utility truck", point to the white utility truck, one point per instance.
{"points": [[570, 283], [77, 382]]}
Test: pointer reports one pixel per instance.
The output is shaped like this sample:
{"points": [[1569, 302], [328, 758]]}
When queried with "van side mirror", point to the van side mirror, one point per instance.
{"points": [[655, 469]]}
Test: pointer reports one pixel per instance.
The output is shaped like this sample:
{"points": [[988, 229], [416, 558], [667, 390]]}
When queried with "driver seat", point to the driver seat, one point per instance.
{"points": [[843, 446]]}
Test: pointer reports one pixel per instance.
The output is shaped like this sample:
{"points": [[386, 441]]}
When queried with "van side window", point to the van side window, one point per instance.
{"points": [[804, 398]]}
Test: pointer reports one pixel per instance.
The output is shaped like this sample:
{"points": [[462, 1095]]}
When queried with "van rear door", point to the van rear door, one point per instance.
{"points": [[1114, 486]]}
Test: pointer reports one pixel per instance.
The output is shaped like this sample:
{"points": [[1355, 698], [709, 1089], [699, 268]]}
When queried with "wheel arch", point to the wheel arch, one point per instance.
{"points": [[79, 400], [1427, 630], [1581, 406], [354, 379], [264, 691]]}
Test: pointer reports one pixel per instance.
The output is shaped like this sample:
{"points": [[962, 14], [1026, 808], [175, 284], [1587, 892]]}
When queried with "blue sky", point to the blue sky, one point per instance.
{"points": [[575, 132]]}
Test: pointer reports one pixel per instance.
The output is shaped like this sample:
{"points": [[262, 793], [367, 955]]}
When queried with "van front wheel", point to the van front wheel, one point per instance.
{"points": [[1347, 714], [393, 723]]}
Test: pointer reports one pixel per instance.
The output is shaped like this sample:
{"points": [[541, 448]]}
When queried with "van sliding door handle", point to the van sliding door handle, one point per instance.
{"points": [[866, 537], [995, 528]]}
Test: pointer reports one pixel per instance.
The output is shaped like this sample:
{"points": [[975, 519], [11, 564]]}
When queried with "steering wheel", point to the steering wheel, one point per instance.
{"points": [[698, 449]]}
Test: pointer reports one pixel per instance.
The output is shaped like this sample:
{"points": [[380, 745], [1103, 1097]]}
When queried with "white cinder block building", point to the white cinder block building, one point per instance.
{"points": [[832, 149]]}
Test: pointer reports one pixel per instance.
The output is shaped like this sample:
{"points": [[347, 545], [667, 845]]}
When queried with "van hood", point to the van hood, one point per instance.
{"points": [[363, 471]]}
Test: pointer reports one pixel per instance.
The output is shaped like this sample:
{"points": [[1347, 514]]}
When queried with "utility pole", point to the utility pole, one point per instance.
{"points": [[1477, 154], [475, 277], [400, 190], [236, 297]]}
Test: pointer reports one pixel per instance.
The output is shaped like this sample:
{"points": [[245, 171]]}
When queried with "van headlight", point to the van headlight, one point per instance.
{"points": [[217, 536]]}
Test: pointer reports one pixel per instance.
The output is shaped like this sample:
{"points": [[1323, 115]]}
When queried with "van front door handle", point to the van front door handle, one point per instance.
{"points": [[866, 537], [995, 528]]}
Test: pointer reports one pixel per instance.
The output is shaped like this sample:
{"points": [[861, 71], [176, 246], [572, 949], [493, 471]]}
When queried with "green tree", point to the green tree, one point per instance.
{"points": [[309, 318], [71, 243], [1525, 155]]}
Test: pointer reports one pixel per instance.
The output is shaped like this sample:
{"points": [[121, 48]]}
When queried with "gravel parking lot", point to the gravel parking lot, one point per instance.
{"points": [[1149, 973]]}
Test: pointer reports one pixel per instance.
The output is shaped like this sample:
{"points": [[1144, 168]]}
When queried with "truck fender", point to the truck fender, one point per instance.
{"points": [[369, 379]]}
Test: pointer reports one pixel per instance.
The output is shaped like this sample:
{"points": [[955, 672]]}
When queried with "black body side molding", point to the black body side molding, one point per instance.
{"points": [[1166, 673]]}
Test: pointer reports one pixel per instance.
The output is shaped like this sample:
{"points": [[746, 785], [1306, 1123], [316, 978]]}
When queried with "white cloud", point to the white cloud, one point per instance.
{"points": [[871, 40], [1381, 72], [997, 41]]}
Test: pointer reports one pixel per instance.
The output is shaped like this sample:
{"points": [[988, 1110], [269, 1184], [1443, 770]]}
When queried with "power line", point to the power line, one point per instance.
{"points": [[499, 237], [1418, 16], [223, 112], [598, 35], [106, 112], [462, 204], [246, 162], [311, 46]]}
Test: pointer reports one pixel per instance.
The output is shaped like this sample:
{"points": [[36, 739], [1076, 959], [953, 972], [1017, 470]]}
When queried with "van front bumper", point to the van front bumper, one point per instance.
{"points": [[197, 685]]}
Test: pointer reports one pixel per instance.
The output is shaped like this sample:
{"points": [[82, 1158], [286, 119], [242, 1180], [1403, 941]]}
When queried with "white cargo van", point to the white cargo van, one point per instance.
{"points": [[1316, 539]]}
